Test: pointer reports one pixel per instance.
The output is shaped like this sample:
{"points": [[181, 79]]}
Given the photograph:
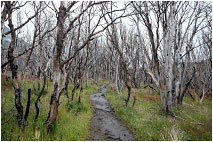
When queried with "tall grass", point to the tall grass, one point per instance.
{"points": [[73, 120]]}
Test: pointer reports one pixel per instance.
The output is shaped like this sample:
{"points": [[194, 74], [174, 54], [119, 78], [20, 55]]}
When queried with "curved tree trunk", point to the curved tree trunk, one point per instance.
{"points": [[38, 99], [128, 96], [14, 67], [180, 98]]}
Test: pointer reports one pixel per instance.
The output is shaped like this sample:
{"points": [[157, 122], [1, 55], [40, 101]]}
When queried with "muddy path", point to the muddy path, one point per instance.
{"points": [[104, 124]]}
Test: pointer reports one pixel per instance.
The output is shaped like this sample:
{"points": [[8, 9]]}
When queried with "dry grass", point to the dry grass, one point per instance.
{"points": [[149, 97], [149, 123]]}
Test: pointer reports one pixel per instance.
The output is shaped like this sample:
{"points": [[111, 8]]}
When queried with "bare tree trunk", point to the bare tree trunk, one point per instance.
{"points": [[116, 80], [39, 78], [66, 87], [28, 105], [128, 96], [38, 99], [54, 102], [163, 100], [53, 106], [87, 78], [202, 95], [134, 98], [96, 75], [34, 82], [14, 68], [76, 86], [81, 90], [22, 84], [185, 88]]}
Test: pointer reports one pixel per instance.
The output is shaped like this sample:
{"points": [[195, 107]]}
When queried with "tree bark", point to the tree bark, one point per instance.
{"points": [[54, 102], [128, 96], [28, 105], [14, 67], [87, 78], [38, 99], [134, 99], [73, 90], [116, 79], [185, 88], [66, 88]]}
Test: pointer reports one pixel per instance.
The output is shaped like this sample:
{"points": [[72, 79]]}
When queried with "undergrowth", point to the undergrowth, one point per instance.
{"points": [[149, 123], [73, 120], [146, 119]]}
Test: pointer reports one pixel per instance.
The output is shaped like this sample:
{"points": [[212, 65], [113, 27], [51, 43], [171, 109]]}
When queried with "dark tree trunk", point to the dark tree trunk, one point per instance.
{"points": [[180, 99], [53, 107], [39, 77], [38, 99], [134, 100], [28, 105], [87, 78], [191, 95], [66, 87], [79, 98], [14, 67], [128, 96], [73, 91], [19, 107], [81, 90]]}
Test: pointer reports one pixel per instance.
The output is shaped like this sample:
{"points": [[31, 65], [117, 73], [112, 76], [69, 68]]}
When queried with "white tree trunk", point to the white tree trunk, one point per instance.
{"points": [[116, 79], [87, 78], [168, 53], [203, 93]]}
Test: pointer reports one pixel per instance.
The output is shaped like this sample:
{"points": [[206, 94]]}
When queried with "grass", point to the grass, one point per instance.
{"points": [[146, 119], [73, 120], [149, 123]]}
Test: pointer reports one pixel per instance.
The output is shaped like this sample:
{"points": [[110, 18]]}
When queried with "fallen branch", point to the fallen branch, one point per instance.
{"points": [[197, 123]]}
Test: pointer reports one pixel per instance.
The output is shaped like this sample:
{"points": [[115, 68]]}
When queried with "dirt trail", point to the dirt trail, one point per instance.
{"points": [[104, 124]]}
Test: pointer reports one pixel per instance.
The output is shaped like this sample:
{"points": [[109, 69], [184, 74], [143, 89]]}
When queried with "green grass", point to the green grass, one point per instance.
{"points": [[73, 120], [146, 119], [149, 123]]}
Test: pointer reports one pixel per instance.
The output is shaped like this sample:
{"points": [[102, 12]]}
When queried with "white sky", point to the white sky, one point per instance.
{"points": [[27, 11]]}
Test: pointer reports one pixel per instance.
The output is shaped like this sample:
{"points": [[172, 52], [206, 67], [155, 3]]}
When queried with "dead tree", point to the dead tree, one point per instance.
{"points": [[58, 65]]}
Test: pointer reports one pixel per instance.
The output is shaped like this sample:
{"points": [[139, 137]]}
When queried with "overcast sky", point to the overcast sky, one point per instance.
{"points": [[27, 11]]}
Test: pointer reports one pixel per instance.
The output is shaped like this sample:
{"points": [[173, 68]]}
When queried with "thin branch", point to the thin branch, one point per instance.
{"points": [[8, 119]]}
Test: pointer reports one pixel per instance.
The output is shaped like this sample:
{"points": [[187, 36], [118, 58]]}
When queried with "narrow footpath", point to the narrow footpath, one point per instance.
{"points": [[104, 124]]}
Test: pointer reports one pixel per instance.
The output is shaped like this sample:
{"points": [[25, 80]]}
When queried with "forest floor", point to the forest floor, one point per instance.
{"points": [[148, 122], [72, 123], [145, 120], [104, 125]]}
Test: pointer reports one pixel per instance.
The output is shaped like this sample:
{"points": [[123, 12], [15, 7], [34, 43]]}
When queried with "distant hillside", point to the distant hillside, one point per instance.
{"points": [[21, 44]]}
